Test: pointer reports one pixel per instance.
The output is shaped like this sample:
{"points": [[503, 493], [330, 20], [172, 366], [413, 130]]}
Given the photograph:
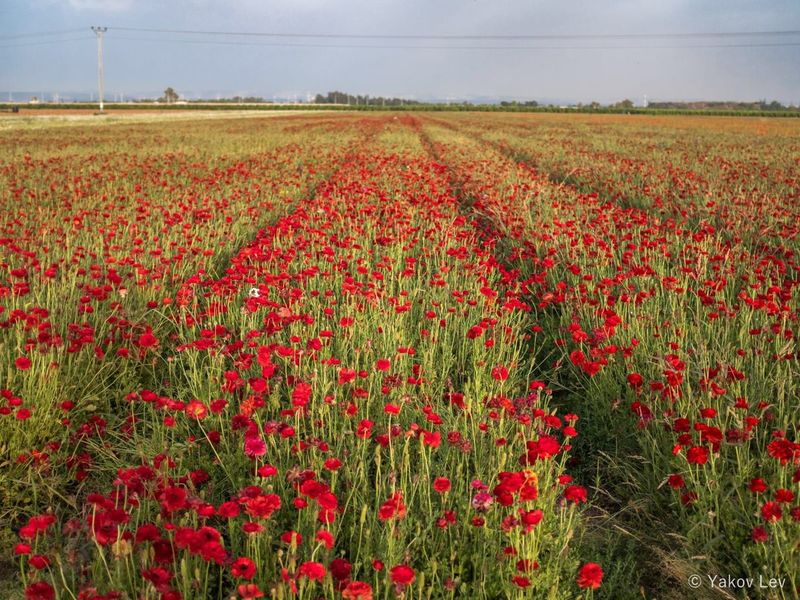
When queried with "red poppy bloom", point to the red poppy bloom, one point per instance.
{"points": [[759, 535], [263, 505], [676, 482], [500, 373], [250, 590], [39, 590], [173, 499], [635, 380], [771, 512], [441, 484], [520, 581], [312, 570], [402, 575], [575, 493], [697, 455], [325, 538], [22, 549], [243, 568], [590, 576], [228, 510], [340, 569], [39, 562], [254, 446], [23, 363], [301, 395], [291, 537], [357, 590], [147, 340], [393, 507]]}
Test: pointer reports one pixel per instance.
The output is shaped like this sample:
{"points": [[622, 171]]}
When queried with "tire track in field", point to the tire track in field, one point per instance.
{"points": [[755, 244], [607, 517]]}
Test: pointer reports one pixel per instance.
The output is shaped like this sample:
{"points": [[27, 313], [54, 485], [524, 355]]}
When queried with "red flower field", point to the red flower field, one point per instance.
{"points": [[393, 356]]}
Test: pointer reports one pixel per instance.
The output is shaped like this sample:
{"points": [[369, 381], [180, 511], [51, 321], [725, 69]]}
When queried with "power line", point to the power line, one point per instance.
{"points": [[451, 47], [76, 39], [414, 46], [575, 36], [41, 34]]}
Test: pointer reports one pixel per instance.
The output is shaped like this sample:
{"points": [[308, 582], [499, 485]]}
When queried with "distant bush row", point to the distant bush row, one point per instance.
{"points": [[419, 107]]}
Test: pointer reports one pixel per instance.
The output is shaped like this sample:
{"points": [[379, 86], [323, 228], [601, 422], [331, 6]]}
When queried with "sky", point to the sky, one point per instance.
{"points": [[559, 70]]}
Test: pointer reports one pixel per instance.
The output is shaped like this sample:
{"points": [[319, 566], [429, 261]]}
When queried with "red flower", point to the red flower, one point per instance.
{"points": [[393, 507], [346, 375], [697, 455], [333, 464], [291, 537], [759, 535], [635, 380], [783, 450], [441, 484], [325, 538], [147, 340], [263, 505], [243, 568], [173, 499], [402, 575], [771, 512], [23, 363], [357, 590], [590, 576], [39, 562], [500, 373], [522, 582], [21, 549], [301, 394], [313, 570], [577, 357], [250, 590], [676, 482], [158, 577], [545, 447], [254, 446], [228, 510], [40, 590], [531, 518], [576, 494], [196, 410], [382, 364], [340, 569]]}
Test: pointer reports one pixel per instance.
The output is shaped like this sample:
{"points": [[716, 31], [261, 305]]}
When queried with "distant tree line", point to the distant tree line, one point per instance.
{"points": [[711, 105], [241, 100], [513, 103], [337, 97]]}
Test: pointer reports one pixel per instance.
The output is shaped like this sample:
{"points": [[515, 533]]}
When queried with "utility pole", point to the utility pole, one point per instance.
{"points": [[99, 31]]}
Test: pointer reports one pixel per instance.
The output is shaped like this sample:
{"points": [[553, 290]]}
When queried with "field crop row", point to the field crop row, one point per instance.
{"points": [[386, 356]]}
